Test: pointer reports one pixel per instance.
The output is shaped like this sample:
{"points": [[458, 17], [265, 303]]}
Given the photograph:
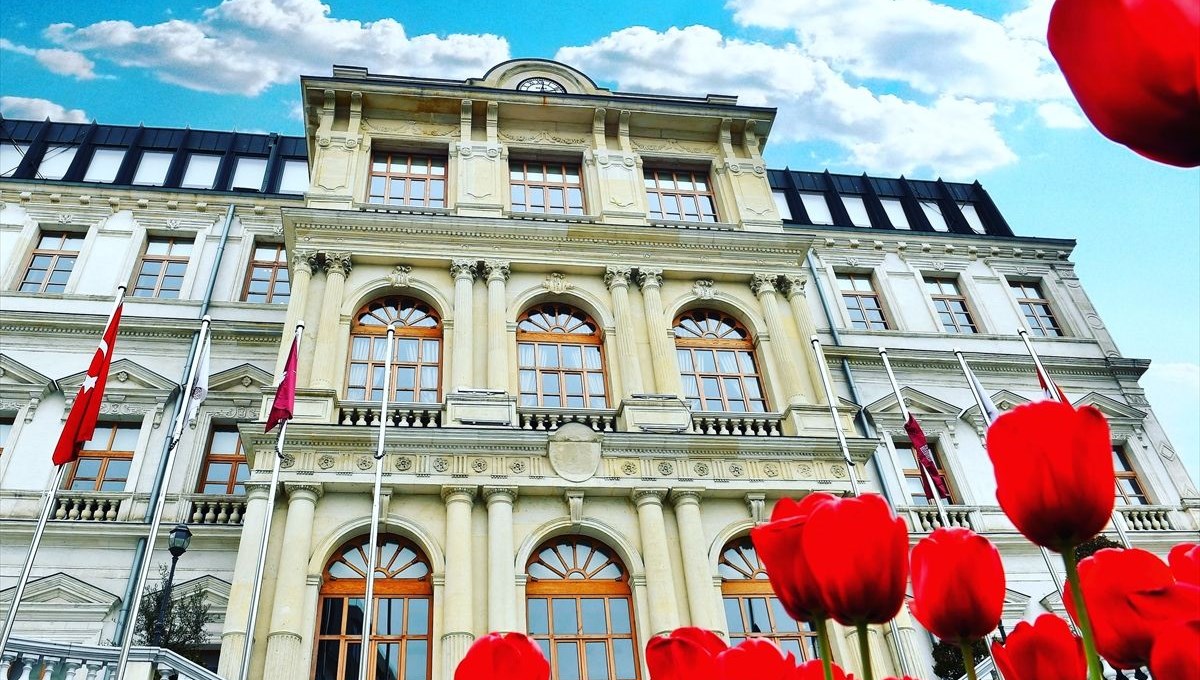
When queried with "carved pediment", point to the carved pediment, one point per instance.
{"points": [[61, 597], [1003, 400], [1111, 408], [15, 375], [215, 593], [243, 378], [123, 375], [1015, 605], [918, 402]]}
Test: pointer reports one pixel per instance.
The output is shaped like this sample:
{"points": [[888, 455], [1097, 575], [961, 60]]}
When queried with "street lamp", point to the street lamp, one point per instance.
{"points": [[177, 543]]}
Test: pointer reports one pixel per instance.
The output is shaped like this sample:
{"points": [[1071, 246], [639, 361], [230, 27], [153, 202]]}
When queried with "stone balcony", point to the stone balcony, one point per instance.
{"points": [[25, 659], [1136, 520]]}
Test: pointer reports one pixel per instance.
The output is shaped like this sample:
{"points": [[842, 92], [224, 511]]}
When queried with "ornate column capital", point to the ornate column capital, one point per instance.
{"points": [[495, 270], [497, 494], [649, 277], [686, 496], [304, 258], [458, 494], [652, 496], [256, 490], [617, 277], [304, 490], [762, 284], [463, 268], [338, 263], [794, 284]]}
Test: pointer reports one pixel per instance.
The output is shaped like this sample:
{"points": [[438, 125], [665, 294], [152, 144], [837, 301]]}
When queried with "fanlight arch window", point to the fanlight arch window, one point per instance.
{"points": [[716, 362], [579, 610], [560, 357], [403, 594], [751, 608], [416, 355]]}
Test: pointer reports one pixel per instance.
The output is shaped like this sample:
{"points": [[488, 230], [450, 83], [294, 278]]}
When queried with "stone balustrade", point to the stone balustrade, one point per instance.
{"points": [[550, 419], [85, 506], [221, 510], [924, 519], [1147, 517], [753, 425], [25, 659], [366, 414]]}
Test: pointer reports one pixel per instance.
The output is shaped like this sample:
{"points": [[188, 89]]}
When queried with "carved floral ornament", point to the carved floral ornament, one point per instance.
{"points": [[557, 283]]}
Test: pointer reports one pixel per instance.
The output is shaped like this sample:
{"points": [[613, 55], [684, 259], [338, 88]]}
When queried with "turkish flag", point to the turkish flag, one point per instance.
{"points": [[920, 448], [81, 423], [285, 395]]}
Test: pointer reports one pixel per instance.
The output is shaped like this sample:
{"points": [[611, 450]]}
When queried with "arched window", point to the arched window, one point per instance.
{"points": [[751, 608], [558, 352], [716, 362], [416, 358], [403, 595], [579, 611]]}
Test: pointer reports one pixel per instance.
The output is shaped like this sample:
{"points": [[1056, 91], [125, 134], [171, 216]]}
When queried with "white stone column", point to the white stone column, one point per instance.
{"points": [[325, 363], [496, 272], [804, 325], [502, 588], [660, 586], [302, 264], [237, 611], [698, 577], [458, 627], [617, 280], [461, 362], [662, 349], [763, 286], [285, 642]]}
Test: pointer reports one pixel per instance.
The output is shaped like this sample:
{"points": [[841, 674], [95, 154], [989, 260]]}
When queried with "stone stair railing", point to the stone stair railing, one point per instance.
{"points": [[25, 659]]}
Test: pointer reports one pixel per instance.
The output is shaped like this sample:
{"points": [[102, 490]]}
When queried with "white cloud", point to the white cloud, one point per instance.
{"points": [[40, 109], [951, 135], [246, 46], [1174, 392], [62, 62], [1060, 115]]}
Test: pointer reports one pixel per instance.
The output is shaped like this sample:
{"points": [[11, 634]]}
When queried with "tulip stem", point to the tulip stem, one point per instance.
{"points": [[1085, 621], [822, 626], [864, 651], [968, 655]]}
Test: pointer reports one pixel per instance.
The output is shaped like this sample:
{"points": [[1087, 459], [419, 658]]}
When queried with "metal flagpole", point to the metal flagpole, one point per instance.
{"points": [[176, 433], [368, 604], [1055, 396], [256, 592], [38, 531], [837, 422], [937, 499]]}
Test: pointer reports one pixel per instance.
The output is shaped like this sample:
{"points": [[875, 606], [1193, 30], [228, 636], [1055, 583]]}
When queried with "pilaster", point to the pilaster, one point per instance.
{"points": [[245, 569], [763, 286], [617, 280], [461, 362], [496, 272], [325, 363], [458, 607], [502, 593], [696, 573], [285, 651], [662, 349]]}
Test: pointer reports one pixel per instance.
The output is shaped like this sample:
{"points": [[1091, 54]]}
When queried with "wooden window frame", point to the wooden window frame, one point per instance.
{"points": [[234, 459], [857, 297], [377, 333], [568, 589], [105, 456], [56, 255], [165, 261], [751, 585], [1124, 470], [528, 185], [951, 305], [277, 272], [1036, 310], [7, 425], [560, 339], [662, 183], [406, 177], [915, 473], [723, 329], [386, 587]]}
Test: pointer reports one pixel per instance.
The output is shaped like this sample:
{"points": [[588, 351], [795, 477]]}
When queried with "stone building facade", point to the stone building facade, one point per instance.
{"points": [[601, 375]]}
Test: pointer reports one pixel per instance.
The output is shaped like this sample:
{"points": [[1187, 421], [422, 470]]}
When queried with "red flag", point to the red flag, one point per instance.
{"points": [[81, 422], [1046, 383], [285, 394], [920, 447]]}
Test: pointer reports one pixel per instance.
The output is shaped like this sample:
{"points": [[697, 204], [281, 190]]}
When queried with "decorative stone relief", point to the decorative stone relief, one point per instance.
{"points": [[461, 268], [756, 504], [737, 469], [629, 468], [574, 452], [401, 276], [838, 470], [517, 467], [404, 463], [616, 276], [286, 460], [805, 470], [762, 284], [338, 262], [700, 469], [704, 289], [441, 464], [495, 269], [364, 462], [557, 283], [575, 506], [665, 468], [771, 470], [479, 465], [325, 462]]}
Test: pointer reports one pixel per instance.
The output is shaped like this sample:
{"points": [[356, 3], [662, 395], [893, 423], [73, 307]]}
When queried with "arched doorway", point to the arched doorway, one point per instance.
{"points": [[579, 609], [403, 596]]}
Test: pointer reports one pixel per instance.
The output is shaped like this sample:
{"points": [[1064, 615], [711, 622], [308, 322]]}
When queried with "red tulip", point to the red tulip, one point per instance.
{"points": [[1054, 472], [1176, 652], [778, 544], [1185, 562], [958, 585], [503, 656], [1134, 67], [1046, 650], [684, 654], [756, 658], [1129, 594], [812, 670], [858, 552]]}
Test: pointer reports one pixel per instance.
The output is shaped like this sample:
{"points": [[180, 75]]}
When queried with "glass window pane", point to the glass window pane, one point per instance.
{"points": [[331, 616], [727, 362], [568, 660], [126, 438], [781, 204], [934, 213], [248, 173], [152, 168], [705, 361], [597, 660], [592, 611], [857, 211], [328, 655], [564, 617], [416, 659], [548, 356], [201, 171], [11, 156], [536, 616], [572, 356], [972, 217], [591, 355], [895, 212], [104, 165], [294, 179], [816, 207], [618, 609], [733, 615], [56, 161], [783, 622], [623, 662]]}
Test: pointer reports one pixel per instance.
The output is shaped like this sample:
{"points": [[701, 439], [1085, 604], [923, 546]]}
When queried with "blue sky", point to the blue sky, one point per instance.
{"points": [[958, 89]]}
